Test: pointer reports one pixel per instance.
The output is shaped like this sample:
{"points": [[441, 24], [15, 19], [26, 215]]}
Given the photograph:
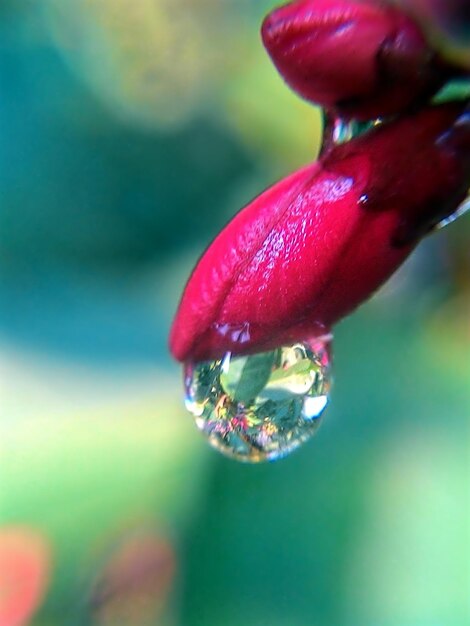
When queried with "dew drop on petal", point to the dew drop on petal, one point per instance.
{"points": [[343, 130], [263, 406], [338, 130]]}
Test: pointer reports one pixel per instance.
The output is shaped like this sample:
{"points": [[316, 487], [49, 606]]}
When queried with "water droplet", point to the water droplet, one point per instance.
{"points": [[263, 406], [338, 130], [343, 130], [450, 219]]}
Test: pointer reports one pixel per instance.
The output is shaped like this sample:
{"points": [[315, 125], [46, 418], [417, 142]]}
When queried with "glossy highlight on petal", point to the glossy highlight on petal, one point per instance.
{"points": [[362, 58], [310, 249]]}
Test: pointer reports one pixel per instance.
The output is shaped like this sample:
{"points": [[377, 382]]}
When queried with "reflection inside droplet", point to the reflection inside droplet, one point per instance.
{"points": [[260, 407]]}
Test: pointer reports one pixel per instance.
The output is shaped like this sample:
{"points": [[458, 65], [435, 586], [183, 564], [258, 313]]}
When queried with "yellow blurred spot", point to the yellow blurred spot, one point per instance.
{"points": [[152, 61], [134, 585]]}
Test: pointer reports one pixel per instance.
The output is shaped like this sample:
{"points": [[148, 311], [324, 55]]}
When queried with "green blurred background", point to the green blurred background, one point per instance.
{"points": [[130, 132]]}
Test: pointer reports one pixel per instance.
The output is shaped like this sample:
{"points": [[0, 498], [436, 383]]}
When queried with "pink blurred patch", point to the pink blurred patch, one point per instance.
{"points": [[25, 559]]}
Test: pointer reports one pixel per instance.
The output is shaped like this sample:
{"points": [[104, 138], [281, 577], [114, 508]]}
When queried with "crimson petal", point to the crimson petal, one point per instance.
{"points": [[364, 59], [310, 249]]}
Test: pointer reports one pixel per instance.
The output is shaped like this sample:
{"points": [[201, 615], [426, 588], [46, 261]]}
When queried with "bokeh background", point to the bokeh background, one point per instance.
{"points": [[130, 132]]}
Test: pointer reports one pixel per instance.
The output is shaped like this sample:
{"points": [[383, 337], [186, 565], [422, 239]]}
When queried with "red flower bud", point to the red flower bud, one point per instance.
{"points": [[364, 59], [313, 247]]}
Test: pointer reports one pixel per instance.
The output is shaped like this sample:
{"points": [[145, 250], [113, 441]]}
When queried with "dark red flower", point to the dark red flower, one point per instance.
{"points": [[309, 250], [364, 59]]}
